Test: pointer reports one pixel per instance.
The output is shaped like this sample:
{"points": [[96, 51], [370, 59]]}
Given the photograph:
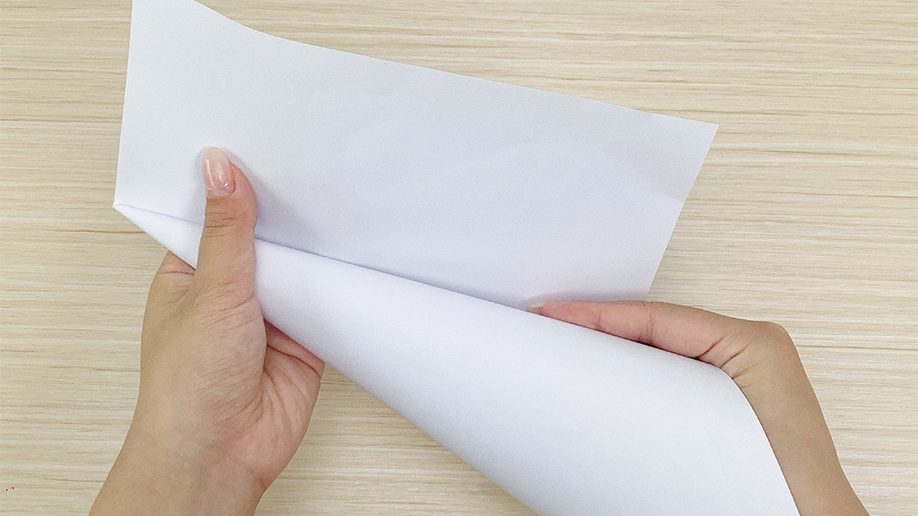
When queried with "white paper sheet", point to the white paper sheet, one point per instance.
{"points": [[372, 174]]}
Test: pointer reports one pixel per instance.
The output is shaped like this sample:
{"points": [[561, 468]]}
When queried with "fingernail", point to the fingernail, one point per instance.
{"points": [[218, 176], [536, 307]]}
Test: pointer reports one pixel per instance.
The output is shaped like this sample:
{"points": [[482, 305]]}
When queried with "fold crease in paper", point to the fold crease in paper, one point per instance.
{"points": [[405, 214]]}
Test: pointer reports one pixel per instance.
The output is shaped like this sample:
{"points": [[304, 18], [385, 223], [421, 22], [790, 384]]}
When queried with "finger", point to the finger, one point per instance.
{"points": [[171, 280], [172, 264], [226, 259], [280, 342], [293, 368], [687, 331]]}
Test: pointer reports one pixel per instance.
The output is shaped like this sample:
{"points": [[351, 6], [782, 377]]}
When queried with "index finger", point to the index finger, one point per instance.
{"points": [[683, 330]]}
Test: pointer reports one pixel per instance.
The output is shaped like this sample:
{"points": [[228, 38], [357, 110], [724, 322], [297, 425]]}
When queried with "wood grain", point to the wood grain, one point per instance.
{"points": [[805, 213]]}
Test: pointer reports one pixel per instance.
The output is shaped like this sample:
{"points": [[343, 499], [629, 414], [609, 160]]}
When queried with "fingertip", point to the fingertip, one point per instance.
{"points": [[536, 307], [539, 306], [217, 173]]}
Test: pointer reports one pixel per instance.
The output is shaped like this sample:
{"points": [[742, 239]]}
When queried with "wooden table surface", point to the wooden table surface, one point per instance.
{"points": [[805, 213]]}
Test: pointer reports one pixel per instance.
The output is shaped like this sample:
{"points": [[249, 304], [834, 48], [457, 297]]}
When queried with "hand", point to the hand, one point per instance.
{"points": [[225, 398], [762, 360]]}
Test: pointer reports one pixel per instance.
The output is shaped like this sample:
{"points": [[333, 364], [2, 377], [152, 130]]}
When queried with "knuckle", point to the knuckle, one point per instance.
{"points": [[771, 338], [774, 331], [220, 218], [221, 223]]}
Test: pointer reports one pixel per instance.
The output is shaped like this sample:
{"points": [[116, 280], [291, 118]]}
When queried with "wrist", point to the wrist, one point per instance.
{"points": [[160, 475], [776, 385]]}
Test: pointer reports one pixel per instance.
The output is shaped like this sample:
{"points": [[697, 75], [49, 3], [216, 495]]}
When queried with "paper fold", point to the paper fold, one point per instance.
{"points": [[501, 192]]}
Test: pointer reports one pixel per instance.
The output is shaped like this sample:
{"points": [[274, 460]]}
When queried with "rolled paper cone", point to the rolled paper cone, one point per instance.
{"points": [[568, 420]]}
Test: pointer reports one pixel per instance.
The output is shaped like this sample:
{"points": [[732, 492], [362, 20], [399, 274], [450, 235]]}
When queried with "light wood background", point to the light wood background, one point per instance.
{"points": [[804, 213]]}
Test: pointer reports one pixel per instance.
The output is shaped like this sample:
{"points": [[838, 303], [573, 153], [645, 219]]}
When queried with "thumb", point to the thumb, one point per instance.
{"points": [[226, 258]]}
